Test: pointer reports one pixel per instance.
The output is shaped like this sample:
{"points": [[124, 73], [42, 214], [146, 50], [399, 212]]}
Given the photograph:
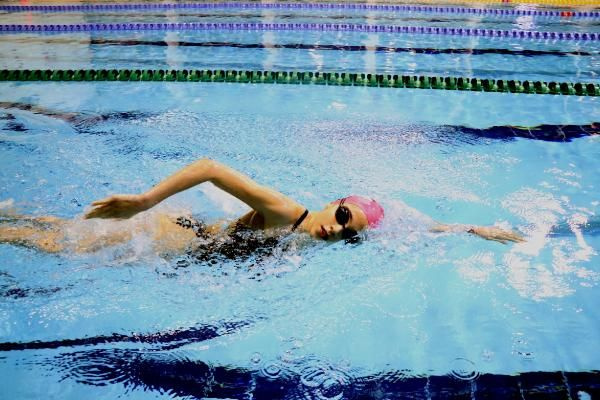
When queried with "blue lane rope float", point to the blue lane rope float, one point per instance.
{"points": [[305, 6], [261, 26], [317, 78]]}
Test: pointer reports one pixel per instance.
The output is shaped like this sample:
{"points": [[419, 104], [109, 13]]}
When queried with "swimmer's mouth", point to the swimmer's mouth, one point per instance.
{"points": [[323, 233]]}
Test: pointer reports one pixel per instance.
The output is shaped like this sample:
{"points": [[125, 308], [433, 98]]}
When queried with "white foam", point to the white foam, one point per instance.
{"points": [[541, 210], [534, 281]]}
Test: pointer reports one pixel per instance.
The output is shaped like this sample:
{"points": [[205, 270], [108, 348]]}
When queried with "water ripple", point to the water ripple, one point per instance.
{"points": [[464, 369], [96, 367], [271, 370], [325, 381]]}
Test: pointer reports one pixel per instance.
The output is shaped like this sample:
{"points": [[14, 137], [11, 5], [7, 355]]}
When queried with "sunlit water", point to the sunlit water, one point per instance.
{"points": [[404, 302], [307, 51], [437, 55]]}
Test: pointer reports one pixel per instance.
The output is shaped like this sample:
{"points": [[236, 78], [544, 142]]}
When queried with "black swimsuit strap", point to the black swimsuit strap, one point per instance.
{"points": [[299, 221]]}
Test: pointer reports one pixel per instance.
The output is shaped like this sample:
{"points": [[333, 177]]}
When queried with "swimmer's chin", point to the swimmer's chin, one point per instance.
{"points": [[319, 234], [316, 235]]}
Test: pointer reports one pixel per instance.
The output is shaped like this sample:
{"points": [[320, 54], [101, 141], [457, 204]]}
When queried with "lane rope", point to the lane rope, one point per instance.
{"points": [[303, 78], [260, 26], [304, 6]]}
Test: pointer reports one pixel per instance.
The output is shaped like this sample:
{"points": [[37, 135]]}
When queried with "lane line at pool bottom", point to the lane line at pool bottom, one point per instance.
{"points": [[471, 51], [304, 78], [86, 122], [163, 340], [183, 374]]}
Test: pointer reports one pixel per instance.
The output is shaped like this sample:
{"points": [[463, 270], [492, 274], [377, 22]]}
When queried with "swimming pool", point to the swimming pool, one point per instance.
{"points": [[404, 314]]}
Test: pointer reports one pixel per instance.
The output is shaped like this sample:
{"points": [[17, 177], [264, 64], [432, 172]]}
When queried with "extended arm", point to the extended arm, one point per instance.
{"points": [[486, 232], [262, 199]]}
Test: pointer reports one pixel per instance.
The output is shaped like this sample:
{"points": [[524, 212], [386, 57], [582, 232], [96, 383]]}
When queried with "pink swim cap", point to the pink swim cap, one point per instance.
{"points": [[371, 208]]}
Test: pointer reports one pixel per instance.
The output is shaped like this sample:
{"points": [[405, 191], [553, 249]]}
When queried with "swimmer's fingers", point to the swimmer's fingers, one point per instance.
{"points": [[515, 237], [99, 211], [100, 208], [108, 211], [497, 234], [103, 201], [494, 238], [508, 236], [117, 206]]}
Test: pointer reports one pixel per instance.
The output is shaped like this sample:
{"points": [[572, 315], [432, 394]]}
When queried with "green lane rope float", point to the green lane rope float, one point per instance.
{"points": [[302, 6], [311, 27], [317, 78]]}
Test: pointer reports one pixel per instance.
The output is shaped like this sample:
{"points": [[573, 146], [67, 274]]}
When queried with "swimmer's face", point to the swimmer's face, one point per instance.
{"points": [[327, 225]]}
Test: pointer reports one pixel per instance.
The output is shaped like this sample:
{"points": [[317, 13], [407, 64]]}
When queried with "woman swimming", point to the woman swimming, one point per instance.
{"points": [[271, 212]]}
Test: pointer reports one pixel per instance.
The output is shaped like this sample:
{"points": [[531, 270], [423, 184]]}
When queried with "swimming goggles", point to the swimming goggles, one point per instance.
{"points": [[342, 216]]}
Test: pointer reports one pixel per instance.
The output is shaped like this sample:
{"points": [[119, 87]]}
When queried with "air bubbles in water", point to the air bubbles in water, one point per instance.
{"points": [[255, 358], [521, 347], [487, 355], [464, 369]]}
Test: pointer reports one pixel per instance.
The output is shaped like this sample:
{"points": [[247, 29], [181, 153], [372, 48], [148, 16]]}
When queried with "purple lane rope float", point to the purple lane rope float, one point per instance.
{"points": [[305, 6], [260, 26], [304, 78]]}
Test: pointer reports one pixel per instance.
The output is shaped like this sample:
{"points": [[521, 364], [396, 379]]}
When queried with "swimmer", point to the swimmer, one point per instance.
{"points": [[271, 212]]}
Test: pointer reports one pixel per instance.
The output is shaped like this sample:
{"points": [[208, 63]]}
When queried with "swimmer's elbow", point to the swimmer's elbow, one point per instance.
{"points": [[215, 170], [219, 174], [205, 162], [206, 168]]}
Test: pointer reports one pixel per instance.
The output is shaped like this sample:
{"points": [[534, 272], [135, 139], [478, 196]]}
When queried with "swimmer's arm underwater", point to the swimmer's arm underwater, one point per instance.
{"points": [[486, 232], [273, 205]]}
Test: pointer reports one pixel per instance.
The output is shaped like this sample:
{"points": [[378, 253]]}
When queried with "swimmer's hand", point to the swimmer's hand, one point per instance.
{"points": [[496, 234], [486, 232], [119, 206]]}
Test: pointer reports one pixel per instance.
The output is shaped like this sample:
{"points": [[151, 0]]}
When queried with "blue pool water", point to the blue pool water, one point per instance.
{"points": [[318, 320], [355, 52]]}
